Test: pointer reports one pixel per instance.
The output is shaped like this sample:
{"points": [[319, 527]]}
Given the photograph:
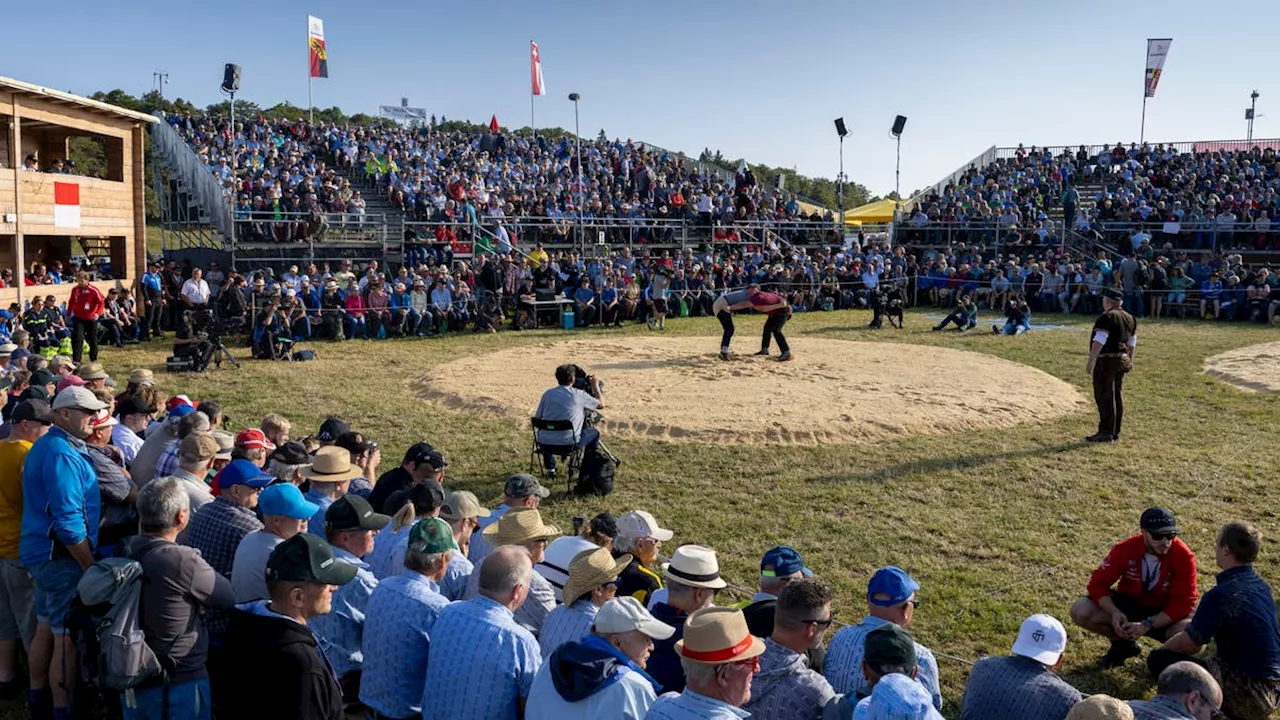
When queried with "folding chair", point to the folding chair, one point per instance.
{"points": [[571, 454]]}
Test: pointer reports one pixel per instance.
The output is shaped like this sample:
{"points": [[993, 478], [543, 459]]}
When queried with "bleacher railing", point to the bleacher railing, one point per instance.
{"points": [[205, 189], [1194, 146]]}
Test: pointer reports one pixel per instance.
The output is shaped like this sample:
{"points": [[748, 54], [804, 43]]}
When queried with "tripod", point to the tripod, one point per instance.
{"points": [[216, 352]]}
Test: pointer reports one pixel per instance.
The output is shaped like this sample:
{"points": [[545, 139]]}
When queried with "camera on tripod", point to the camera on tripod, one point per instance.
{"points": [[582, 381]]}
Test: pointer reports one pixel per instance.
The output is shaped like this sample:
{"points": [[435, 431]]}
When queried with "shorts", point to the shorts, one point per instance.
{"points": [[55, 582], [659, 306], [1137, 613], [17, 602]]}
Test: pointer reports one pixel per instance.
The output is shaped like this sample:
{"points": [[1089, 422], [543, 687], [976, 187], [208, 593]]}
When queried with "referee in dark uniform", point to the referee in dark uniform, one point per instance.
{"points": [[1112, 342]]}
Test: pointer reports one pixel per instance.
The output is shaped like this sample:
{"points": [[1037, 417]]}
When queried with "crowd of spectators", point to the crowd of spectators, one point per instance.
{"points": [[1208, 199], [298, 577]]}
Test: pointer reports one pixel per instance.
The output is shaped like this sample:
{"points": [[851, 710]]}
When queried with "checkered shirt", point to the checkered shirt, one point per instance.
{"points": [[216, 531], [689, 705], [167, 463], [343, 628], [481, 661], [454, 583], [536, 607], [566, 624], [1160, 708], [843, 664], [1041, 694], [397, 639], [785, 687]]}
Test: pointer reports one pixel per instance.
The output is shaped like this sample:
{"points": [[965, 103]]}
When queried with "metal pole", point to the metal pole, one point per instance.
{"points": [[311, 107], [1142, 130], [578, 151], [1253, 108], [840, 190]]}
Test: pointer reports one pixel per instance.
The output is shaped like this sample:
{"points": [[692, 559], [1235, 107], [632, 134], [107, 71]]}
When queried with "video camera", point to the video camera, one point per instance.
{"points": [[582, 381]]}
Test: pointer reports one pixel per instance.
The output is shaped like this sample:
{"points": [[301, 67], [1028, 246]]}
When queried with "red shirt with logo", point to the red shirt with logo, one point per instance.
{"points": [[1174, 589], [86, 302]]}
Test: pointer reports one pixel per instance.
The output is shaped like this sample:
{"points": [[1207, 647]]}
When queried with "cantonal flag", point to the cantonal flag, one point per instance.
{"points": [[66, 205], [539, 87], [317, 55]]}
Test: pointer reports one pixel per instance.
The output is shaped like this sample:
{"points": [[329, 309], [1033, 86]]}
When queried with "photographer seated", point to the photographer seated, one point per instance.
{"points": [[567, 402], [191, 343], [965, 315], [271, 338]]}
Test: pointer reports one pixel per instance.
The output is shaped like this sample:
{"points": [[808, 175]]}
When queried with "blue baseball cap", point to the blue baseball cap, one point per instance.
{"points": [[286, 499], [242, 472], [180, 410], [783, 561], [893, 582]]}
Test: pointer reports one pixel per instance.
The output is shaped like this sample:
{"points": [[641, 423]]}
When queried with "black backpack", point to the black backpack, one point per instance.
{"points": [[595, 475]]}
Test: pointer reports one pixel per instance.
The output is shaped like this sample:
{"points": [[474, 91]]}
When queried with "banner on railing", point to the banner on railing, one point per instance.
{"points": [[1157, 49]]}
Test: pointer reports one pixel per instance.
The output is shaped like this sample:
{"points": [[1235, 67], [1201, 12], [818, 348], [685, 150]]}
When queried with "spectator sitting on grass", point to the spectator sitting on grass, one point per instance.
{"points": [[1017, 317], [965, 315]]}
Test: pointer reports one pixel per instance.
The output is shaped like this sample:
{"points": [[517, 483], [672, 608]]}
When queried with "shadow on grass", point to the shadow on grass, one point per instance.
{"points": [[962, 462]]}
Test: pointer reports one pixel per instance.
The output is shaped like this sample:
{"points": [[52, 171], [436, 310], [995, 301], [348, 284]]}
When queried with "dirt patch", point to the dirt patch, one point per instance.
{"points": [[1255, 368], [833, 392]]}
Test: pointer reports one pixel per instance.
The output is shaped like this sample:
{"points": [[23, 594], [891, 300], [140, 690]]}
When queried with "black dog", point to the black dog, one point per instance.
{"points": [[887, 304]]}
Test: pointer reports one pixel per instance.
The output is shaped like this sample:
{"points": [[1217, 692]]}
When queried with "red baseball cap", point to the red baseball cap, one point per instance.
{"points": [[177, 400], [253, 439]]}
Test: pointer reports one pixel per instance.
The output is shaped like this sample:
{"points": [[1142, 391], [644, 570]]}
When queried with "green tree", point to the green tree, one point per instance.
{"points": [[282, 111], [244, 109], [119, 98]]}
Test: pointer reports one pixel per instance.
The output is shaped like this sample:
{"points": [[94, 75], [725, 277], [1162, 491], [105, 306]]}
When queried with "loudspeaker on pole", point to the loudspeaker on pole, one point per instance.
{"points": [[841, 130], [899, 124]]}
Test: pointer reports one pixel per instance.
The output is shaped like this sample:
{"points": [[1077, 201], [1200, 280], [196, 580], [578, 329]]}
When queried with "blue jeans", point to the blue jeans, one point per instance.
{"points": [[1133, 300], [588, 439], [187, 701], [352, 324]]}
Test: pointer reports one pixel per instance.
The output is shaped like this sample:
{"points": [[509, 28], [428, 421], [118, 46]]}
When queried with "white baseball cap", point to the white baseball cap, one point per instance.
{"points": [[77, 397], [1042, 638], [624, 614], [639, 524]]}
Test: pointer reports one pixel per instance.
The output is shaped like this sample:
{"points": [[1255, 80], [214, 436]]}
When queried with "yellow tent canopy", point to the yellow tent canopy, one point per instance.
{"points": [[809, 208], [880, 211]]}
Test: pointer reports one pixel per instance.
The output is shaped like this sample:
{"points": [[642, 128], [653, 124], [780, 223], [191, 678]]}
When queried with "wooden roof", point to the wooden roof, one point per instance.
{"points": [[57, 96]]}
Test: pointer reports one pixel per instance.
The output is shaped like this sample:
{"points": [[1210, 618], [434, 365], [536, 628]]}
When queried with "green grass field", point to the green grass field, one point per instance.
{"points": [[995, 525]]}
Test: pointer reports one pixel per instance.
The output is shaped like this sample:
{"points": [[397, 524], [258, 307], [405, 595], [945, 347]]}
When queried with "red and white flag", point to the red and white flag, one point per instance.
{"points": [[66, 205], [539, 88]]}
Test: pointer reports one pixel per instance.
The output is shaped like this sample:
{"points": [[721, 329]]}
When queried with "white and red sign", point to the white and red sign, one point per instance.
{"points": [[539, 88], [66, 205]]}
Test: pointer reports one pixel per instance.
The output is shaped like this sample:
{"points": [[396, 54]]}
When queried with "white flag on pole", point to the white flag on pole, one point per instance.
{"points": [[1156, 51]]}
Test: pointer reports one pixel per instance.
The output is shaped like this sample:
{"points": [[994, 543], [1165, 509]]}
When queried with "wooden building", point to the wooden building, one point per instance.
{"points": [[51, 212]]}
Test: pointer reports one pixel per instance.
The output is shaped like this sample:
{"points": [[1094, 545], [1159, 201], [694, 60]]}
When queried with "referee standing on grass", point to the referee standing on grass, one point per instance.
{"points": [[1113, 339]]}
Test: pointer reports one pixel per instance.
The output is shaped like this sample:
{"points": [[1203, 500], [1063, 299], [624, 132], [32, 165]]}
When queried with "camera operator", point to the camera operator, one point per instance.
{"points": [[566, 402], [232, 301], [191, 343]]}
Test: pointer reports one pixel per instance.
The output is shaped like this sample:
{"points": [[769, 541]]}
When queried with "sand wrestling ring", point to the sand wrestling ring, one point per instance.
{"points": [[1256, 367], [834, 392]]}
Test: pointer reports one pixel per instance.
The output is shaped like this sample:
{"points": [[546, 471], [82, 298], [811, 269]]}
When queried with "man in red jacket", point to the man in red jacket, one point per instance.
{"points": [[86, 306], [1145, 586]]}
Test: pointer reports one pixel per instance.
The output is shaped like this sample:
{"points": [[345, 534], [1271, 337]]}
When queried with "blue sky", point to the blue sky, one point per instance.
{"points": [[754, 79]]}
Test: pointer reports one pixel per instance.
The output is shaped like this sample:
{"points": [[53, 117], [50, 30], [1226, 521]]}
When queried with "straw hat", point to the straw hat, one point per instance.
{"points": [[518, 527], [1101, 707], [141, 375], [718, 635], [590, 569], [695, 566], [331, 464]]}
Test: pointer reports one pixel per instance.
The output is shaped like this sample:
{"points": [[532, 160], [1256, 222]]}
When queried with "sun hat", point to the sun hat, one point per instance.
{"points": [[640, 524], [1041, 638], [717, 635], [78, 397], [287, 500], [695, 566], [331, 464], [103, 420], [461, 504], [625, 614], [242, 472], [307, 558], [1101, 707], [893, 582], [518, 527], [7, 348], [142, 376], [226, 443], [91, 371], [431, 536], [590, 569]]}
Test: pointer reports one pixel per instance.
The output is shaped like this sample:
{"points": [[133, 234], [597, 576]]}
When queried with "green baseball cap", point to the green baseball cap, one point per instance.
{"points": [[431, 536], [889, 645], [306, 558]]}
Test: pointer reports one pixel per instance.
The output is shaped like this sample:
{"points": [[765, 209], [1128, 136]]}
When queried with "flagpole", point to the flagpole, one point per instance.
{"points": [[311, 107], [533, 123], [1142, 130]]}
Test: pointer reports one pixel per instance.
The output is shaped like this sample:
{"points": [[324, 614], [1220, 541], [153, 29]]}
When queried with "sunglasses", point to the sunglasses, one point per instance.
{"points": [[1163, 536], [822, 623]]}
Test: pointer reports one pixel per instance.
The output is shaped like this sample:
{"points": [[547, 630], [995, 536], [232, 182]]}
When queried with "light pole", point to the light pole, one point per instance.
{"points": [[1251, 112], [841, 130], [574, 97]]}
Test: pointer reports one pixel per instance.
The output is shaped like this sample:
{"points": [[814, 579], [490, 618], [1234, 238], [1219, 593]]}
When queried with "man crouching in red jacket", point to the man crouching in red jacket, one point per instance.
{"points": [[86, 305], [1145, 586]]}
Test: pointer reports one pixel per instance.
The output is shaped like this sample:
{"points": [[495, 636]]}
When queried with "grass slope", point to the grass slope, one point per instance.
{"points": [[995, 525]]}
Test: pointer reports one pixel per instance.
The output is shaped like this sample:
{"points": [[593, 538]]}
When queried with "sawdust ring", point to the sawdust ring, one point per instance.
{"points": [[1255, 368]]}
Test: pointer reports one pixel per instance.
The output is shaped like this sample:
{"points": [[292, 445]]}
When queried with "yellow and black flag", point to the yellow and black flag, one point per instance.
{"points": [[318, 56]]}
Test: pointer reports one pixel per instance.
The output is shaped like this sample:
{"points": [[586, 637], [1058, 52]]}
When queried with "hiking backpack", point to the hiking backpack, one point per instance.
{"points": [[595, 474], [124, 659]]}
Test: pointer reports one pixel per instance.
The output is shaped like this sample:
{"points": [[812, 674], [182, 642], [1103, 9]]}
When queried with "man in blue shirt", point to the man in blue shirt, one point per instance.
{"points": [[397, 632], [584, 303], [1239, 616], [478, 644], [1022, 686], [60, 513], [566, 402], [152, 296]]}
